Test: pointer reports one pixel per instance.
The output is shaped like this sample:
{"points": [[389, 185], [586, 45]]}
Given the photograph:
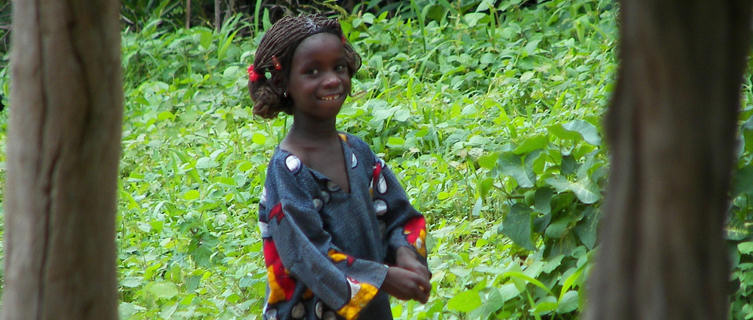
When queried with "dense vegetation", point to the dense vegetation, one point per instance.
{"points": [[489, 113]]}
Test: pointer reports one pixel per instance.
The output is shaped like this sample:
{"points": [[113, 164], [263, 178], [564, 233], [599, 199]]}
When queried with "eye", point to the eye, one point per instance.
{"points": [[312, 72], [341, 68]]}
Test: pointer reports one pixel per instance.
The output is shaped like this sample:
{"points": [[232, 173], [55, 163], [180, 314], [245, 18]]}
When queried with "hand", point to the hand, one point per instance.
{"points": [[406, 258], [405, 285]]}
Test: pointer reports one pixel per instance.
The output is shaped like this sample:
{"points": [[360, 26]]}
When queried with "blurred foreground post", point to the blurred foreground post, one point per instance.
{"points": [[671, 127], [62, 161]]}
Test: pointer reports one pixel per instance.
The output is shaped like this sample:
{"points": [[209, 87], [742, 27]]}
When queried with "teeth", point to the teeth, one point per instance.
{"points": [[330, 98]]}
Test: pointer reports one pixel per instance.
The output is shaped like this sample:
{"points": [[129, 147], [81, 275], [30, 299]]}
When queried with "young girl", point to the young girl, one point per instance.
{"points": [[339, 233]]}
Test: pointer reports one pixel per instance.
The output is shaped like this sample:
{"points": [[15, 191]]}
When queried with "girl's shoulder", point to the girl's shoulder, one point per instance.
{"points": [[355, 143], [284, 164]]}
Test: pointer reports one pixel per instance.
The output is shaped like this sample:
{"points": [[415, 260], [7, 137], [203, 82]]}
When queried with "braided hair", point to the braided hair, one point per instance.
{"points": [[268, 76]]}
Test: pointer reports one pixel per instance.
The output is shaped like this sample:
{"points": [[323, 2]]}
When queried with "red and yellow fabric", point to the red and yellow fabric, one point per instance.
{"points": [[338, 256], [415, 233], [281, 284], [360, 296]]}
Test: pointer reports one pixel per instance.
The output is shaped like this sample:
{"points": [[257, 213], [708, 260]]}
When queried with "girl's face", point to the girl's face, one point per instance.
{"points": [[319, 80]]}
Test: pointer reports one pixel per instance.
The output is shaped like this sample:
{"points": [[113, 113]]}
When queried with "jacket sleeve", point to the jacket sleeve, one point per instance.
{"points": [[297, 248], [404, 226]]}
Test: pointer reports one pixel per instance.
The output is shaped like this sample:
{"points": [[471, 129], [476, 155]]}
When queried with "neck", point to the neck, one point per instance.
{"points": [[306, 129]]}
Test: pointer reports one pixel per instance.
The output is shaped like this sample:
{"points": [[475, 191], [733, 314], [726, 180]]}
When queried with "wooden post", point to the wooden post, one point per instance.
{"points": [[62, 161], [671, 126]]}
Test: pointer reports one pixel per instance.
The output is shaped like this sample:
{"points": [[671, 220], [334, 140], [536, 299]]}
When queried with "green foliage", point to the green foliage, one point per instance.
{"points": [[488, 112], [496, 142], [741, 210]]}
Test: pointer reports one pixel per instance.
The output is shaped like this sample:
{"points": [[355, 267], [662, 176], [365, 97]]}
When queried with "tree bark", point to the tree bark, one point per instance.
{"points": [[217, 15], [671, 127], [229, 11], [188, 14], [62, 160]]}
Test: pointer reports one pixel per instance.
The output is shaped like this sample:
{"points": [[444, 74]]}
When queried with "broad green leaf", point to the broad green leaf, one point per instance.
{"points": [[127, 309], [568, 302], [745, 247], [545, 306], [587, 228], [587, 193], [395, 142], [488, 161], [485, 5], [245, 166], [131, 282], [741, 182], [517, 226], [559, 131], [206, 163], [162, 290], [585, 129], [511, 165], [205, 37], [477, 208], [397, 311], [191, 195], [557, 228], [258, 138], [565, 245], [541, 222], [543, 200], [508, 291], [485, 185], [164, 115], [192, 283], [167, 313], [465, 301], [570, 281], [473, 18], [493, 302], [552, 264], [569, 165], [402, 114], [532, 143], [526, 76]]}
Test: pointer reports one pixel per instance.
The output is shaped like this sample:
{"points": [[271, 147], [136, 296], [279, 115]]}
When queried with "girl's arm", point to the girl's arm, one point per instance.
{"points": [[405, 227]]}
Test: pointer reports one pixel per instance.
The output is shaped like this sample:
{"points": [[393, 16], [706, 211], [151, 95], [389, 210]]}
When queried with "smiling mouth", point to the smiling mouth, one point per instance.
{"points": [[331, 97]]}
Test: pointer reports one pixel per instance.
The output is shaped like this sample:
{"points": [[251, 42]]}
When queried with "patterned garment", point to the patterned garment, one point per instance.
{"points": [[325, 249]]}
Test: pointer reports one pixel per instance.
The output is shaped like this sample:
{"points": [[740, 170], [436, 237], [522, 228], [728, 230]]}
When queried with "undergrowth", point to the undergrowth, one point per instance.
{"points": [[489, 115]]}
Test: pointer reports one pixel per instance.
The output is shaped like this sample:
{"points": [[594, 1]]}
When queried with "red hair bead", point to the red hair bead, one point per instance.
{"points": [[252, 74]]}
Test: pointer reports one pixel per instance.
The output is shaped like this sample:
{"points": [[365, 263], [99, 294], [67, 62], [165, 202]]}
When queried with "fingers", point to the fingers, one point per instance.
{"points": [[423, 271], [424, 289], [414, 265], [405, 285]]}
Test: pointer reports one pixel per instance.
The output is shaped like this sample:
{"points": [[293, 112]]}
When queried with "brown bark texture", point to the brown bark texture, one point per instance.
{"points": [[217, 15], [188, 14], [62, 160], [671, 127]]}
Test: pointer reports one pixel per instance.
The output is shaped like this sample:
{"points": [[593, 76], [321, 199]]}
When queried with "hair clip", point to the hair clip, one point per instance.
{"points": [[342, 38], [278, 66], [252, 74]]}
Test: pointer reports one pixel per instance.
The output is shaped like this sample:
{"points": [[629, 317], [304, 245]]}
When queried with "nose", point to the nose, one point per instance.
{"points": [[331, 80]]}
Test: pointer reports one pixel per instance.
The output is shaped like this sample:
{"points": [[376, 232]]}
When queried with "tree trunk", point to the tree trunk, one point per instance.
{"points": [[229, 11], [188, 14], [62, 160], [672, 128], [217, 15]]}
